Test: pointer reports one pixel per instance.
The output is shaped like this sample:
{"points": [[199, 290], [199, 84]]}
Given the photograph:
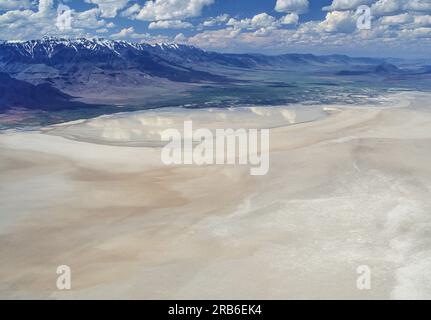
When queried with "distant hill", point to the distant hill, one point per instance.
{"points": [[379, 70]]}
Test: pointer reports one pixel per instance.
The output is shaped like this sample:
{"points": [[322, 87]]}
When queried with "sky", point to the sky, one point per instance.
{"points": [[397, 28]]}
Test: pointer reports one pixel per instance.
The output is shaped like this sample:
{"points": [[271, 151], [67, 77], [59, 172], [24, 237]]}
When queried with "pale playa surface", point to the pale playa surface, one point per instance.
{"points": [[348, 190]]}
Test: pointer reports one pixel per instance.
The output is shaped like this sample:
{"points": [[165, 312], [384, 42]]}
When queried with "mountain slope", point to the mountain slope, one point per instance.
{"points": [[15, 93]]}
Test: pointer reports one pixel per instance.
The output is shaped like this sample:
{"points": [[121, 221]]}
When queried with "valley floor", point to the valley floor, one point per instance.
{"points": [[343, 191]]}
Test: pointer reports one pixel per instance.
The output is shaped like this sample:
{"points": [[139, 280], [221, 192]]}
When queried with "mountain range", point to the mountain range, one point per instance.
{"points": [[54, 73]]}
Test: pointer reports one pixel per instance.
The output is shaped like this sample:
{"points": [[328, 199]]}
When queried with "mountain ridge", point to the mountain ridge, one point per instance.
{"points": [[47, 46], [115, 70]]}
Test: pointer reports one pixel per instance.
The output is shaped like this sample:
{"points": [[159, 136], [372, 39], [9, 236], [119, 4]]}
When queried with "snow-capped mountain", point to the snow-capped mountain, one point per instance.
{"points": [[67, 58], [54, 50], [150, 58], [100, 68]]}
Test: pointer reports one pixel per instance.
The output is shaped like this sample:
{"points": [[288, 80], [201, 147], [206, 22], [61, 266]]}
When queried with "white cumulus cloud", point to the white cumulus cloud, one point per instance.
{"points": [[124, 33], [424, 20], [261, 20], [131, 11], [109, 8], [154, 10], [211, 22], [170, 24], [291, 18], [397, 19], [391, 7], [340, 5], [298, 6], [339, 21], [417, 5], [41, 20], [14, 4]]}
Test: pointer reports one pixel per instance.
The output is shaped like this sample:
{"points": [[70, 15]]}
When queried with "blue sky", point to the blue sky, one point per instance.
{"points": [[240, 9], [398, 27]]}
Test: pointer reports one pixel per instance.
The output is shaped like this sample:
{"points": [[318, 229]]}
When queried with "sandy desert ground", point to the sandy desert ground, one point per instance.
{"points": [[345, 190]]}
